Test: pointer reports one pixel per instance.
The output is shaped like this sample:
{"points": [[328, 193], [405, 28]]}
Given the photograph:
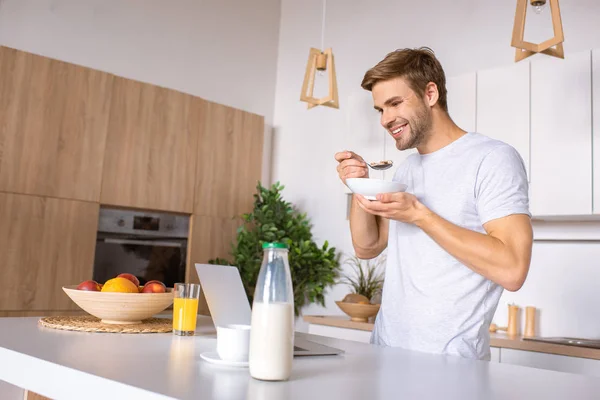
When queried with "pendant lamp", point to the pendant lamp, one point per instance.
{"points": [[552, 47], [320, 61]]}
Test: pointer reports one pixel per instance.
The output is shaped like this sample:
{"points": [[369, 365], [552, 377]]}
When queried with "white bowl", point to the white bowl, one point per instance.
{"points": [[370, 187]]}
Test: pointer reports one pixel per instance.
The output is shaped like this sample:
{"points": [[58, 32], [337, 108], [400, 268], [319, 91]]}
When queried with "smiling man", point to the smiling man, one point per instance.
{"points": [[459, 235]]}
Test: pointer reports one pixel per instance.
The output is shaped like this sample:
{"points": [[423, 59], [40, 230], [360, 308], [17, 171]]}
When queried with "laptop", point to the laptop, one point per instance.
{"points": [[228, 304]]}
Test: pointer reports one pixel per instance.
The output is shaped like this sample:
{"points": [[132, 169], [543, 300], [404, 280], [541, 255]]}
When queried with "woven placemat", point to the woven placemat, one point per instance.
{"points": [[93, 324]]}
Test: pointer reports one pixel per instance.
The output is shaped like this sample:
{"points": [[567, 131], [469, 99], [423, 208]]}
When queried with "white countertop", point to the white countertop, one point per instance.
{"points": [[78, 365]]}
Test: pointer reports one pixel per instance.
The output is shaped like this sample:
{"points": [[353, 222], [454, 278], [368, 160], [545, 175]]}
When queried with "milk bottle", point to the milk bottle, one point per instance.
{"points": [[272, 332]]}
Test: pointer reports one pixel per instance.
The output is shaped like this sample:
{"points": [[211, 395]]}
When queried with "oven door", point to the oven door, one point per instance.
{"points": [[162, 259]]}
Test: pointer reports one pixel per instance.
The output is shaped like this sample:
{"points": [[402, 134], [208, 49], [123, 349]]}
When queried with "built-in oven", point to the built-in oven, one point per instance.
{"points": [[149, 245]]}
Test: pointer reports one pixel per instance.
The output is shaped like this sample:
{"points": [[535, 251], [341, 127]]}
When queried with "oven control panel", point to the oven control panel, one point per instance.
{"points": [[143, 223]]}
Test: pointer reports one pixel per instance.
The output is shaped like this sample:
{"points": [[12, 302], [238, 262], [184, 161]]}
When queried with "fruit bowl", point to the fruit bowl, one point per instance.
{"points": [[120, 308], [358, 312], [370, 187]]}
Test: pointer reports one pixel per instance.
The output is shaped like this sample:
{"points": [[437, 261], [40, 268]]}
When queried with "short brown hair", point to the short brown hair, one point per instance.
{"points": [[417, 66]]}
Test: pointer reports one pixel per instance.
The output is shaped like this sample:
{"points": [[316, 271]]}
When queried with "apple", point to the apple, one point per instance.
{"points": [[90, 285], [130, 277], [154, 287]]}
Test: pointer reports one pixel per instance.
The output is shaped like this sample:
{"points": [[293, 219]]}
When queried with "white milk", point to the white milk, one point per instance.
{"points": [[271, 341]]}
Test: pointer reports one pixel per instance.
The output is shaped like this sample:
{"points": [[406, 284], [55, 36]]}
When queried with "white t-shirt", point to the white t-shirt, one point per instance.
{"points": [[431, 302]]}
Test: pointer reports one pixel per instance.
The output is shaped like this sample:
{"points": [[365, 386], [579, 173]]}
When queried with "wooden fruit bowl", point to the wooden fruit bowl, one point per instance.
{"points": [[120, 308], [358, 312]]}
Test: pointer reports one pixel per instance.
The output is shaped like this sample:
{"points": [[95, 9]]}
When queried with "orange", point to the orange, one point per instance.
{"points": [[120, 285]]}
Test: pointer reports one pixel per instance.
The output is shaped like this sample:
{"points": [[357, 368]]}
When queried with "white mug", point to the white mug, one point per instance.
{"points": [[233, 342]]}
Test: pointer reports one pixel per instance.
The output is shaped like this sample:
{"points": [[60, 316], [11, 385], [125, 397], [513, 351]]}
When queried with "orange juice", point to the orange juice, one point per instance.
{"points": [[184, 314]]}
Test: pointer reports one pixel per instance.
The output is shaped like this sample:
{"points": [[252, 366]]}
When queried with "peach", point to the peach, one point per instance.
{"points": [[90, 285], [154, 287], [130, 277]]}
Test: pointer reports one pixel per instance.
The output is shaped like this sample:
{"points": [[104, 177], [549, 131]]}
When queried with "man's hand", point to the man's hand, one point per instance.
{"points": [[351, 165], [400, 206]]}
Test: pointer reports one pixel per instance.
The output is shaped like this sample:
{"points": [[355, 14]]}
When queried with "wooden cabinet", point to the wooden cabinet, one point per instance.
{"points": [[229, 162], [210, 238], [150, 157], [462, 100], [45, 243], [596, 128], [561, 136], [53, 121], [503, 106]]}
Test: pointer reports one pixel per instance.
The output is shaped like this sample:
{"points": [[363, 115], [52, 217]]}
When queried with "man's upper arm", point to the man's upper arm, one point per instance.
{"points": [[516, 233], [502, 198]]}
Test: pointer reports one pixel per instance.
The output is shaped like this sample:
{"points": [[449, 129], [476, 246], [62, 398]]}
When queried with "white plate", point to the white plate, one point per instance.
{"points": [[213, 358]]}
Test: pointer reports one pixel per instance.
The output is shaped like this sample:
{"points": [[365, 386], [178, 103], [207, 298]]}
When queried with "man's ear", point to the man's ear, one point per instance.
{"points": [[431, 94]]}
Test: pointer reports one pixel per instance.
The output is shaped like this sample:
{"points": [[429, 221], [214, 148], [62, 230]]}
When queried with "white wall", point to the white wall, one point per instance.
{"points": [[467, 36], [221, 50]]}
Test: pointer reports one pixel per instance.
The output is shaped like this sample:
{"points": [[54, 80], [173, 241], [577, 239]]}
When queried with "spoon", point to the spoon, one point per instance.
{"points": [[381, 165]]}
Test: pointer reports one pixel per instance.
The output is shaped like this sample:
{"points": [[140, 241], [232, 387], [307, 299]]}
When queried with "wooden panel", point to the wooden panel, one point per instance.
{"points": [[45, 243], [210, 237], [229, 162], [596, 128], [503, 106], [561, 136], [462, 103], [150, 159], [53, 121], [34, 396]]}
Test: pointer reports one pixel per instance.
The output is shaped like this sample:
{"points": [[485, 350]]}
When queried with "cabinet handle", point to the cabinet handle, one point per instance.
{"points": [[143, 242]]}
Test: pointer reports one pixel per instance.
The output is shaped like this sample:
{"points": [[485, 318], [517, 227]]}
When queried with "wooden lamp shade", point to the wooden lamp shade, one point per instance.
{"points": [[321, 61], [552, 47]]}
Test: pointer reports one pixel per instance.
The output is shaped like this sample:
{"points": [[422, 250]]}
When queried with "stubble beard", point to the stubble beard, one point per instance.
{"points": [[420, 128]]}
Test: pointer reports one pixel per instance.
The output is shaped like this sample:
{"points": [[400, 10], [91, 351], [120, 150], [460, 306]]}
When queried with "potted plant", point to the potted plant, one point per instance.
{"points": [[273, 219], [366, 283]]}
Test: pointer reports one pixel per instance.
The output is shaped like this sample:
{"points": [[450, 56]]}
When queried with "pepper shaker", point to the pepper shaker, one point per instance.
{"points": [[513, 320], [529, 322]]}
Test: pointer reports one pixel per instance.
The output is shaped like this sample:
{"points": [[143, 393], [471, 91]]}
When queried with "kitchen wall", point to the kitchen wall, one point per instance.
{"points": [[224, 51], [467, 36]]}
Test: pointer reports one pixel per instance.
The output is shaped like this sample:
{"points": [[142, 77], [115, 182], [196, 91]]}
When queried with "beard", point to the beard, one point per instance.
{"points": [[420, 127]]}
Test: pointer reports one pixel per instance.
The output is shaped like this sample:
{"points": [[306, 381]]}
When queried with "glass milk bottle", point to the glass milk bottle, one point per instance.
{"points": [[272, 333]]}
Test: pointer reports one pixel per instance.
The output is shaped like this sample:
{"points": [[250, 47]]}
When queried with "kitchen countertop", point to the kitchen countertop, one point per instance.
{"points": [[76, 365], [498, 339]]}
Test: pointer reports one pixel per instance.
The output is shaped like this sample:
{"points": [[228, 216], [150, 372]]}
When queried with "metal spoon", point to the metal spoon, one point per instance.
{"points": [[381, 165]]}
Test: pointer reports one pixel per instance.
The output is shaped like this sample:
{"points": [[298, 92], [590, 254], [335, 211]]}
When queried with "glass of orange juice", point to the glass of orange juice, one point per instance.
{"points": [[185, 308]]}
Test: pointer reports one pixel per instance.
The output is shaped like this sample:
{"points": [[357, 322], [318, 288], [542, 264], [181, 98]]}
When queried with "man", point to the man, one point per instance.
{"points": [[459, 235]]}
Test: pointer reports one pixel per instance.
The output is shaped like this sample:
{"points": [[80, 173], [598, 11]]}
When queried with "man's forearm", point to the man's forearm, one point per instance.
{"points": [[365, 231], [483, 253]]}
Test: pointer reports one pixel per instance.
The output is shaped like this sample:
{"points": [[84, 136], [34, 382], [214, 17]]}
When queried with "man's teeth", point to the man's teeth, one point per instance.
{"points": [[398, 130]]}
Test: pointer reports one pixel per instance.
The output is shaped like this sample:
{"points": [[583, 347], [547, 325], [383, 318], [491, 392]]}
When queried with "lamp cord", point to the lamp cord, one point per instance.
{"points": [[323, 26]]}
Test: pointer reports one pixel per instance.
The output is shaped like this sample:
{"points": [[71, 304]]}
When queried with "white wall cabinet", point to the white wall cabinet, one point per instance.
{"points": [[462, 100], [596, 127], [340, 333], [561, 136], [503, 106], [554, 362]]}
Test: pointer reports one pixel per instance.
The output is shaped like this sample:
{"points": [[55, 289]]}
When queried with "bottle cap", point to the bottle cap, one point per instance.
{"points": [[274, 245]]}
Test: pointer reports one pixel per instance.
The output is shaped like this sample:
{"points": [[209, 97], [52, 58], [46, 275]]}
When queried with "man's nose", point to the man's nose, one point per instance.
{"points": [[386, 119]]}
